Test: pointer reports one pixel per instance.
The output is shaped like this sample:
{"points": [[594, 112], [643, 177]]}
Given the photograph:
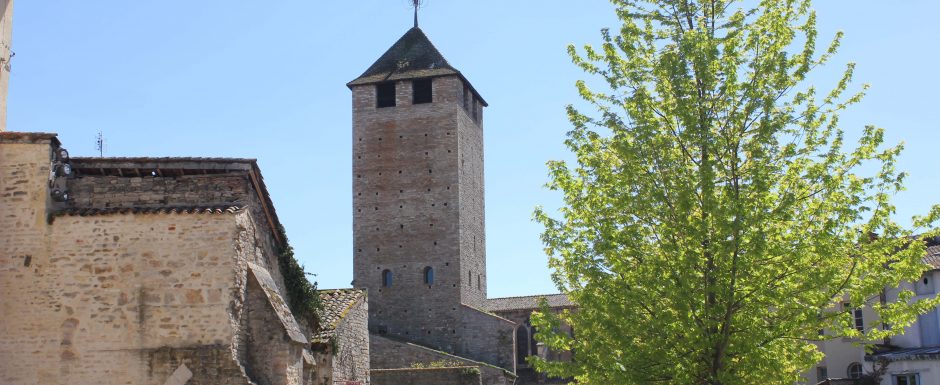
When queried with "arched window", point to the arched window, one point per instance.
{"points": [[387, 278], [855, 370], [428, 275]]}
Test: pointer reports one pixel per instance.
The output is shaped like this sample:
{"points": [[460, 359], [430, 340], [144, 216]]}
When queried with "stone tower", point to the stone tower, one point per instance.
{"points": [[418, 195]]}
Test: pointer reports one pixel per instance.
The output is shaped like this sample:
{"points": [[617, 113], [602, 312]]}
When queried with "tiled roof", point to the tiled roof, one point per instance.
{"points": [[84, 212], [933, 256], [412, 56], [336, 304], [527, 302], [412, 52], [925, 353]]}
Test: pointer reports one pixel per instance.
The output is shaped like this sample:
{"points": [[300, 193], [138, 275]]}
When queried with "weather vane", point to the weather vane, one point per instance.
{"points": [[417, 4]]}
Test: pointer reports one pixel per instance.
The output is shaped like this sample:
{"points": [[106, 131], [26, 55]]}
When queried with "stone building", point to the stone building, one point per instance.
{"points": [[170, 270], [341, 344], [418, 220], [152, 271]]}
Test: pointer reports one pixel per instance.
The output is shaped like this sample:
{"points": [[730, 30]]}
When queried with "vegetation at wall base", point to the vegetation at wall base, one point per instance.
{"points": [[715, 218]]}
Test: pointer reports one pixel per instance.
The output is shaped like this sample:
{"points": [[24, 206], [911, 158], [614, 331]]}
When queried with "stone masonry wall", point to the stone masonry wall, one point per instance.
{"points": [[351, 361], [154, 191], [488, 338], [398, 354], [113, 290], [405, 212], [472, 233], [126, 298], [431, 376], [267, 358]]}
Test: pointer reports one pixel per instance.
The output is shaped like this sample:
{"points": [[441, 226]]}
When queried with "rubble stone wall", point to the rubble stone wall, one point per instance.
{"points": [[154, 191], [430, 376], [351, 361], [130, 298], [391, 354]]}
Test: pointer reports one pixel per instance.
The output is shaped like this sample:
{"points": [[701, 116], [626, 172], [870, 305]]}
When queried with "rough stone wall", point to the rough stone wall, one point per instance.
{"points": [[488, 338], [125, 298], [398, 354], [431, 376], [111, 291], [267, 353], [24, 171], [405, 211], [155, 191], [208, 365], [351, 361]]}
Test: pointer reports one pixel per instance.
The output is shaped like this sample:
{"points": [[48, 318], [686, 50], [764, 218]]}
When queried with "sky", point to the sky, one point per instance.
{"points": [[266, 80]]}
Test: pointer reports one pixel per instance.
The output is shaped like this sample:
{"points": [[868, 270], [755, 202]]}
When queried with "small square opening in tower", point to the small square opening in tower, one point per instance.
{"points": [[385, 94], [421, 91]]}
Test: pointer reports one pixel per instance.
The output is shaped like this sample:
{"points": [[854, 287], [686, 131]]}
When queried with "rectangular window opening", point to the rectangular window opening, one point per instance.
{"points": [[385, 95], [466, 98], [421, 91], [907, 379], [857, 315]]}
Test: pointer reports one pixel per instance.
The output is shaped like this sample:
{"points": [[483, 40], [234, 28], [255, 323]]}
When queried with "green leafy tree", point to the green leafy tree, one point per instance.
{"points": [[716, 216]]}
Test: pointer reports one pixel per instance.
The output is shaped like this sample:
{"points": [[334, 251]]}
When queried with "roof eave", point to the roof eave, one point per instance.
{"points": [[369, 80]]}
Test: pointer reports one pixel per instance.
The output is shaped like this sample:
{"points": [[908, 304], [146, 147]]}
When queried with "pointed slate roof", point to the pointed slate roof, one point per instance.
{"points": [[412, 56]]}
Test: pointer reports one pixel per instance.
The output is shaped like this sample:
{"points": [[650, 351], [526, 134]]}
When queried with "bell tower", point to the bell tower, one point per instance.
{"points": [[419, 244]]}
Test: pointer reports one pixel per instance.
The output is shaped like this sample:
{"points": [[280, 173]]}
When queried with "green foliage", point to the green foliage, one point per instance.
{"points": [[437, 364], [716, 217], [302, 296], [464, 369], [470, 371]]}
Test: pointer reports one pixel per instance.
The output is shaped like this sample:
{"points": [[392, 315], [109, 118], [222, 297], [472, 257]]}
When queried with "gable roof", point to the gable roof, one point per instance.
{"points": [[412, 56], [336, 305], [527, 302]]}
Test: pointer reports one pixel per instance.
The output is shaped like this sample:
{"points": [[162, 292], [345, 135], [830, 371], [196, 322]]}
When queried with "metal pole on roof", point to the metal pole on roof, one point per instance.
{"points": [[417, 4]]}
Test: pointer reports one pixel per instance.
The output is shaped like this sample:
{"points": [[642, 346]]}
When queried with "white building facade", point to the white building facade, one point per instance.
{"points": [[910, 358]]}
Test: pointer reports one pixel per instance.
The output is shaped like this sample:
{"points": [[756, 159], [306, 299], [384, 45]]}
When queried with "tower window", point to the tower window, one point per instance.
{"points": [[387, 278], [421, 91], [428, 275], [385, 94], [466, 99]]}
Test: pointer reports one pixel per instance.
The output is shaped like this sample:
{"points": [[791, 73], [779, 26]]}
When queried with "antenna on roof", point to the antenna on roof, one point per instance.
{"points": [[99, 144], [417, 4]]}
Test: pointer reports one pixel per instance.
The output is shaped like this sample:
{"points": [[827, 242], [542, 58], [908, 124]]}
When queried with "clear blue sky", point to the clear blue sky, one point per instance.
{"points": [[267, 80]]}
